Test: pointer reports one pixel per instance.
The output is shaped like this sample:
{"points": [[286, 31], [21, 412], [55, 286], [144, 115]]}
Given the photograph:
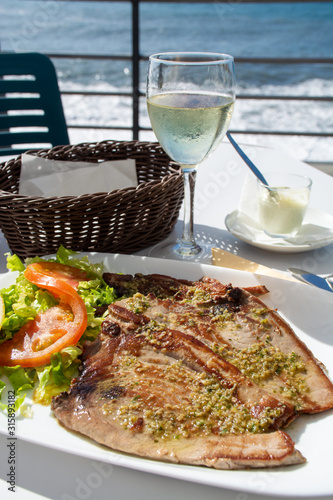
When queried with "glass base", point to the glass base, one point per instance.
{"points": [[198, 252]]}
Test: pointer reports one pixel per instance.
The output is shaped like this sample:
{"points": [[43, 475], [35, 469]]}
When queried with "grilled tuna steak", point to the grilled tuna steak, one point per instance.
{"points": [[165, 395], [196, 373], [126, 285], [239, 326]]}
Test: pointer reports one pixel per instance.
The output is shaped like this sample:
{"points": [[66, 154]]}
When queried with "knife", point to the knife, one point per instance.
{"points": [[310, 278]]}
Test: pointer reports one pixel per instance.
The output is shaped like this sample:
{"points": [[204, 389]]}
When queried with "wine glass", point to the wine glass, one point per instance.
{"points": [[190, 100]]}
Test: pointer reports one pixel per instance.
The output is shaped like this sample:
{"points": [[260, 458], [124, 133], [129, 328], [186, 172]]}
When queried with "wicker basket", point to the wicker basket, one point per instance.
{"points": [[121, 221]]}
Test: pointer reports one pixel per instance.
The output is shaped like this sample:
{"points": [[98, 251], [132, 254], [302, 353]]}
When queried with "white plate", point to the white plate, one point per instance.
{"points": [[308, 310], [316, 232]]}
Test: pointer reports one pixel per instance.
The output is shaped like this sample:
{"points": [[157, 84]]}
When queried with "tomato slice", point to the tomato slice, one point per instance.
{"points": [[70, 274], [58, 327]]}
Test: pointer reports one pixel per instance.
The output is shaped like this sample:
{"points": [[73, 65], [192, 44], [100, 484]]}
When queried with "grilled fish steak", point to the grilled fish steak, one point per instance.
{"points": [[160, 285], [165, 395], [242, 329], [196, 373]]}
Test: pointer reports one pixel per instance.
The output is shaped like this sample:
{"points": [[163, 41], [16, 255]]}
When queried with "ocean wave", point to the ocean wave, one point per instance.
{"points": [[294, 30], [255, 115]]}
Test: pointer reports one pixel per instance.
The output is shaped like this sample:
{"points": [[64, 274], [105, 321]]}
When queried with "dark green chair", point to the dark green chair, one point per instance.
{"points": [[31, 112]]}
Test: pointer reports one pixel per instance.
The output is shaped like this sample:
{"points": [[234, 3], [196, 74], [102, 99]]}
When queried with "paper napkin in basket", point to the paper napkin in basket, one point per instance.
{"points": [[226, 259], [44, 177]]}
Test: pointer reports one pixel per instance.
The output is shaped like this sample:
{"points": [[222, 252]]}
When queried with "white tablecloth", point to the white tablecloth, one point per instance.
{"points": [[50, 474]]}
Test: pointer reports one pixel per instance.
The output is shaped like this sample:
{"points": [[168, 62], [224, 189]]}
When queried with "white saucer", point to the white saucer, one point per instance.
{"points": [[316, 232]]}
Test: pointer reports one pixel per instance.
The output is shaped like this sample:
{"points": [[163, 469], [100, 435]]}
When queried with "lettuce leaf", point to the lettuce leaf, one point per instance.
{"points": [[56, 377], [20, 378], [23, 301], [2, 386], [14, 263]]}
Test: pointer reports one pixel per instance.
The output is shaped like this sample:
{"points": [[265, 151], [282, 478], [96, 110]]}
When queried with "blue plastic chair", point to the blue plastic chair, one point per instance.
{"points": [[31, 112]]}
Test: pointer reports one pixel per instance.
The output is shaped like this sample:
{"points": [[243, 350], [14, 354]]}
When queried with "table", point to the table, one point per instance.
{"points": [[50, 474]]}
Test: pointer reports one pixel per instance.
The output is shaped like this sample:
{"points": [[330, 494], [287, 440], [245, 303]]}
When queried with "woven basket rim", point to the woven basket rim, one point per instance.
{"points": [[139, 187], [120, 221], [46, 151]]}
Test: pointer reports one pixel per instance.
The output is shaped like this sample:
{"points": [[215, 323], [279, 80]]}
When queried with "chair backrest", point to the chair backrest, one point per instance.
{"points": [[31, 112]]}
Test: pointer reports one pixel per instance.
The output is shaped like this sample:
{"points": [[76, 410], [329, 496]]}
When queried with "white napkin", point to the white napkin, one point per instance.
{"points": [[43, 177], [317, 225]]}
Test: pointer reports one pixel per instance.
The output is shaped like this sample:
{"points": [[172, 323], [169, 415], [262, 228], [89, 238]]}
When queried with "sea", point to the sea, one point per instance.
{"points": [[253, 30]]}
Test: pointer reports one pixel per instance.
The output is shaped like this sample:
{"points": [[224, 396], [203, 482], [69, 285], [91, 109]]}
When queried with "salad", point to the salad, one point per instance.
{"points": [[54, 306]]}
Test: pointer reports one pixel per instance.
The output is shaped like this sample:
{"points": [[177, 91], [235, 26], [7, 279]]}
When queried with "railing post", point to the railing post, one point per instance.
{"points": [[136, 67]]}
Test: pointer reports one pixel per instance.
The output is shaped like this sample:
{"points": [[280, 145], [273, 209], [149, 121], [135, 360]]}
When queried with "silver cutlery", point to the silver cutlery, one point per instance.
{"points": [[326, 282]]}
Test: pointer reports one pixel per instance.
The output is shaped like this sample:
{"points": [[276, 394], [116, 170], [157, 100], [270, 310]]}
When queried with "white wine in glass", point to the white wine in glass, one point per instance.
{"points": [[190, 99]]}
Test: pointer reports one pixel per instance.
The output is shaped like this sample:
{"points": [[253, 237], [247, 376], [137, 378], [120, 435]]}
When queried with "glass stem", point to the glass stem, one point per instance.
{"points": [[187, 243]]}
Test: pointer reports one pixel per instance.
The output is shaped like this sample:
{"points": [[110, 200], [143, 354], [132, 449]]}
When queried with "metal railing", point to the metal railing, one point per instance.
{"points": [[135, 58]]}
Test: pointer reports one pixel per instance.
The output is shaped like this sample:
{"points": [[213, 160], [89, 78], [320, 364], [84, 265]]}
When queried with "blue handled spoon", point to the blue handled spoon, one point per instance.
{"points": [[247, 160]]}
